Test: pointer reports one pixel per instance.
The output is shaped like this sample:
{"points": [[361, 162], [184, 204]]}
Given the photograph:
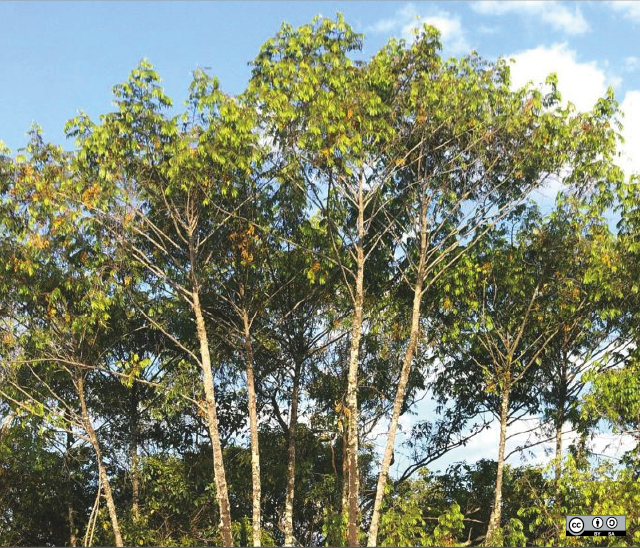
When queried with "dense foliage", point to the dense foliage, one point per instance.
{"points": [[213, 321]]}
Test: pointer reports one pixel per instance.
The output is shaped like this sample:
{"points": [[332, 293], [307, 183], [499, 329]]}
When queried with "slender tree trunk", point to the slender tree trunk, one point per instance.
{"points": [[352, 377], [291, 464], [135, 477], [73, 540], [559, 425], [101, 468], [344, 506], [212, 416], [253, 428], [496, 514], [402, 385], [560, 415]]}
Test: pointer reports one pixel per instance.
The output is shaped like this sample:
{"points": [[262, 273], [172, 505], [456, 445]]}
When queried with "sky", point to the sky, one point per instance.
{"points": [[57, 58]]}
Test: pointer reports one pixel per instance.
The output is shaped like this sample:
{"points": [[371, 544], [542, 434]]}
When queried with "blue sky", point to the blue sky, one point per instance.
{"points": [[58, 57]]}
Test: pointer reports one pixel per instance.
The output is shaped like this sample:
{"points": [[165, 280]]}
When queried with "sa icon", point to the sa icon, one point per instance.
{"points": [[612, 522], [576, 525]]}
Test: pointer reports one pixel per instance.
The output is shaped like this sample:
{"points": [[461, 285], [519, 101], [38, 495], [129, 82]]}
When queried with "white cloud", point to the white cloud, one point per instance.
{"points": [[631, 133], [631, 64], [525, 432], [556, 14], [629, 9], [384, 26], [580, 83], [408, 18], [486, 29], [395, 23]]}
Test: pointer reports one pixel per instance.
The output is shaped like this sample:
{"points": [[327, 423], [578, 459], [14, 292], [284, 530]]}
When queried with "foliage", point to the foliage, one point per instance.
{"points": [[207, 317]]}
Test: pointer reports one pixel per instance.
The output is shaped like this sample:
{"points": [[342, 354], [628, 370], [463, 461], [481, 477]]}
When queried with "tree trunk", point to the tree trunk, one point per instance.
{"points": [[344, 506], [291, 465], [492, 538], [559, 424], [402, 385], [212, 418], [73, 540], [352, 378], [558, 463], [253, 428], [101, 468], [135, 477]]}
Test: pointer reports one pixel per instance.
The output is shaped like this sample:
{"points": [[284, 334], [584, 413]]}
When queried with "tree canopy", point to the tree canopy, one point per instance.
{"points": [[215, 321]]}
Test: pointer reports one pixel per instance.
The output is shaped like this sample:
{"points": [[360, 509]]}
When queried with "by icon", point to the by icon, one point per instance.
{"points": [[576, 525], [597, 523]]}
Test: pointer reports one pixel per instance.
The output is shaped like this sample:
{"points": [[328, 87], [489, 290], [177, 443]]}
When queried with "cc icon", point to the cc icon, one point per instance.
{"points": [[576, 525], [597, 523], [612, 522]]}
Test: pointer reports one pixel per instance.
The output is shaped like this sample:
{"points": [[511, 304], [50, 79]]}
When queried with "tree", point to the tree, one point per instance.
{"points": [[506, 340], [163, 214], [586, 337], [329, 122], [211, 320], [66, 288], [465, 166]]}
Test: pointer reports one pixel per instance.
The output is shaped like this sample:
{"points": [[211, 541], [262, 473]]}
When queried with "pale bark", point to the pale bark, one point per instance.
{"points": [[291, 464], [372, 539], [101, 467], [559, 424], [352, 378], [344, 501], [73, 540], [496, 513], [212, 419], [135, 476], [253, 429], [560, 411]]}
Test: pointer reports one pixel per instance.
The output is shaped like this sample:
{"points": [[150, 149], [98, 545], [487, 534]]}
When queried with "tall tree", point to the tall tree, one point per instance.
{"points": [[324, 117], [168, 182], [62, 273], [506, 341], [465, 166]]}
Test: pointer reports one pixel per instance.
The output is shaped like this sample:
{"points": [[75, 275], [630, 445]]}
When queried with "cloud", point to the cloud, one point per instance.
{"points": [[630, 9], [630, 160], [580, 83], [488, 30], [556, 14], [527, 431], [631, 64], [408, 18]]}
